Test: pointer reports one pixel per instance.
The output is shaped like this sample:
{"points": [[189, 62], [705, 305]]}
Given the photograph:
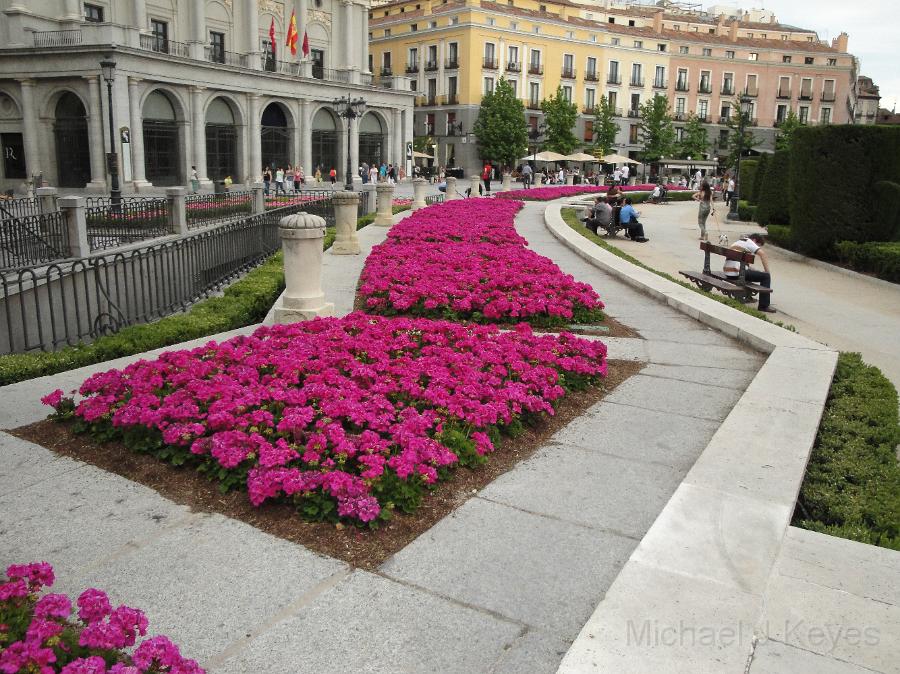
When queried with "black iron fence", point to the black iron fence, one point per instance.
{"points": [[33, 239], [19, 208], [132, 220], [66, 303], [207, 209], [434, 199], [315, 202]]}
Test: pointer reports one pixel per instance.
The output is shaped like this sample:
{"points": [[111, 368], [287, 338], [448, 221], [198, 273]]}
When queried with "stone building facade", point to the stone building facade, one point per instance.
{"points": [[197, 83]]}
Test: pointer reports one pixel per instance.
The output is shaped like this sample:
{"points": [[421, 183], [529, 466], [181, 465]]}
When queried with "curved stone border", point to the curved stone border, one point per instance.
{"points": [[691, 596], [827, 266]]}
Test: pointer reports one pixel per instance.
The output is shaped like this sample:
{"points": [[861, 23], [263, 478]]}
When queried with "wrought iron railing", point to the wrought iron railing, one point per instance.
{"points": [[229, 58], [163, 45], [57, 38], [315, 202], [434, 199], [66, 303], [205, 209], [33, 239], [19, 208], [132, 220]]}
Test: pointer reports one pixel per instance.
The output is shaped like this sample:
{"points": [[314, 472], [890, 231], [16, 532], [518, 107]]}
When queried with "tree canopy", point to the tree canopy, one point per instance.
{"points": [[500, 128], [605, 127], [560, 116], [735, 143], [657, 134], [786, 131], [694, 141]]}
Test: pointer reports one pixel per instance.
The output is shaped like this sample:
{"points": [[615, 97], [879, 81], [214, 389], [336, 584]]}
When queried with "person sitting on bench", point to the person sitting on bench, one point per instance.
{"points": [[628, 218], [753, 243], [601, 215]]}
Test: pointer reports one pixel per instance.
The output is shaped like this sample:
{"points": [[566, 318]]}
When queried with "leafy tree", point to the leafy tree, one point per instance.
{"points": [[657, 134], [560, 116], [695, 142], [500, 128], [734, 137], [605, 128], [786, 131], [423, 144]]}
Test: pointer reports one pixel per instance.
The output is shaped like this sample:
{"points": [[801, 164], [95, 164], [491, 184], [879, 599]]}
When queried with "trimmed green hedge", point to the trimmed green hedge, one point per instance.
{"points": [[746, 212], [774, 192], [852, 484], [887, 210], [753, 195], [781, 235], [831, 169], [880, 259], [747, 178]]}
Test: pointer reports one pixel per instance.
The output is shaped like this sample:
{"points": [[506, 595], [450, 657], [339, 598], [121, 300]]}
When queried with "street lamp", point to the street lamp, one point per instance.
{"points": [[108, 68], [746, 101], [349, 109]]}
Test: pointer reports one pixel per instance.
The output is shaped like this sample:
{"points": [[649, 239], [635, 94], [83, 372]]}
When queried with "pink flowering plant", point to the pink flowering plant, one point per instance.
{"points": [[559, 191], [348, 419], [463, 260], [40, 635]]}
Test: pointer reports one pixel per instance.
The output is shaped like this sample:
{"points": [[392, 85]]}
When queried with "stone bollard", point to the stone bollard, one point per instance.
{"points": [[384, 217], [46, 197], [570, 179], [301, 238], [476, 184], [506, 185], [451, 193], [177, 210], [367, 192], [72, 209], [346, 205], [419, 194], [258, 198]]}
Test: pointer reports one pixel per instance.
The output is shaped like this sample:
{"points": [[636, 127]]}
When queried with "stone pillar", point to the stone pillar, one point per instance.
{"points": [[254, 142], [76, 223], [419, 194], [199, 135], [177, 210], [398, 148], [407, 133], [349, 48], [570, 179], [46, 197], [138, 170], [306, 138], [506, 184], [198, 30], [30, 135], [301, 239], [251, 9], [451, 193], [384, 217], [73, 12], [354, 151], [140, 14], [95, 132], [346, 205], [371, 197], [476, 182], [258, 199]]}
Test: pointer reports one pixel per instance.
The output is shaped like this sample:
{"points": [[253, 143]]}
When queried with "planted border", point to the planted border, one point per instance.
{"points": [[559, 191]]}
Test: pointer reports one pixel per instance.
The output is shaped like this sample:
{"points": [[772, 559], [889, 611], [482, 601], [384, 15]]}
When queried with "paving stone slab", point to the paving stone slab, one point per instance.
{"points": [[542, 572], [625, 348], [676, 397], [774, 657], [635, 433], [708, 376], [372, 624], [24, 464], [698, 335], [589, 488], [535, 652], [731, 357], [211, 581]]}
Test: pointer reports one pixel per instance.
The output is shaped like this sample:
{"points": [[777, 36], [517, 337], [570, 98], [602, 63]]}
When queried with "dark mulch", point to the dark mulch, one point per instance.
{"points": [[361, 548]]}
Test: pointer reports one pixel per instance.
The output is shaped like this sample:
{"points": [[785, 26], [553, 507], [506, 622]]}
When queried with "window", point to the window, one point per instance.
{"points": [[728, 84], [413, 27], [452, 88], [387, 32], [514, 84], [570, 35], [780, 114], [659, 78], [684, 50], [806, 89], [593, 37], [591, 70], [681, 84], [536, 29], [412, 62], [454, 20], [705, 84], [660, 47], [753, 56], [832, 62], [764, 36], [729, 54], [676, 27], [784, 37], [589, 99], [613, 98], [612, 19], [614, 77], [751, 85], [567, 93], [93, 13], [707, 51], [491, 21], [588, 131], [432, 24], [825, 116], [542, 8], [637, 75], [217, 47], [635, 107], [488, 85], [804, 114], [726, 111], [679, 106], [638, 44], [631, 22], [703, 109], [633, 134], [534, 93], [513, 25], [615, 42], [784, 87], [808, 60], [160, 33], [513, 55], [679, 133], [786, 58]]}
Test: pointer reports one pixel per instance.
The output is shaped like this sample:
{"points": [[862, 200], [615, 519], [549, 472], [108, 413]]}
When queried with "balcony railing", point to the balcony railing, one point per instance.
{"points": [[57, 38], [451, 99], [727, 90], [753, 92], [617, 112], [639, 82], [704, 119], [806, 96], [513, 67], [162, 45], [568, 73], [535, 69], [590, 76], [230, 58], [828, 97], [723, 119], [680, 116], [704, 88], [613, 78], [429, 129], [533, 104], [786, 95], [489, 63], [388, 71], [452, 63], [681, 85], [431, 66], [634, 114], [660, 84], [589, 109], [412, 67]]}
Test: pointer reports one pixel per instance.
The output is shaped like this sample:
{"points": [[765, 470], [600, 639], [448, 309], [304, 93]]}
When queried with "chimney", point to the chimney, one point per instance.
{"points": [[658, 21], [840, 42], [733, 30], [720, 25]]}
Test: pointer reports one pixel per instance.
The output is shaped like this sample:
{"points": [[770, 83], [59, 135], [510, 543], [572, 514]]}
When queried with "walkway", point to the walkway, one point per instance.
{"points": [[503, 584]]}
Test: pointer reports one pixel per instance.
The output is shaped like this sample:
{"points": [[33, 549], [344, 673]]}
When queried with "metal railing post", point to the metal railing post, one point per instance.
{"points": [[76, 224], [177, 210]]}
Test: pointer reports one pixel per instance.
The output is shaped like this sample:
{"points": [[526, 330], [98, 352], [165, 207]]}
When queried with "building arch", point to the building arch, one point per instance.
{"points": [[70, 134], [373, 138], [162, 113], [223, 135], [277, 128], [325, 129]]}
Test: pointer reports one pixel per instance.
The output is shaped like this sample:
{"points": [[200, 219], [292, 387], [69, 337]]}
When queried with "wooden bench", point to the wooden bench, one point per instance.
{"points": [[737, 287]]}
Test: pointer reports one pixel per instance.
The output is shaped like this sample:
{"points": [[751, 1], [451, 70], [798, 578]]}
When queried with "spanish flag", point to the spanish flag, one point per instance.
{"points": [[292, 34]]}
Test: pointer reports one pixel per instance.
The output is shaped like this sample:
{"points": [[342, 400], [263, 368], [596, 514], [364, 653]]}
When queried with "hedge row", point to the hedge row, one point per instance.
{"points": [[852, 484], [879, 258], [774, 191], [747, 178], [753, 195]]}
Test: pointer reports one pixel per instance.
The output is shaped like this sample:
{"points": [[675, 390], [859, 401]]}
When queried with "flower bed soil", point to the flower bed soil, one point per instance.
{"points": [[362, 548]]}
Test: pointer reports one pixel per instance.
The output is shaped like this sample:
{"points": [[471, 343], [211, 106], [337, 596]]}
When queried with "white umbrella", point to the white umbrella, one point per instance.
{"points": [[546, 155], [618, 159], [582, 156], [421, 155]]}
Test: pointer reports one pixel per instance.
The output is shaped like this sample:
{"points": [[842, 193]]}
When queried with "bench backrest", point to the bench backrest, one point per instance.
{"points": [[728, 253]]}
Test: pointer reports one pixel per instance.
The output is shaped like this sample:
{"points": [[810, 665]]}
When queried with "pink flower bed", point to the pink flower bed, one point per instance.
{"points": [[559, 191], [401, 202], [346, 418], [39, 634], [464, 260]]}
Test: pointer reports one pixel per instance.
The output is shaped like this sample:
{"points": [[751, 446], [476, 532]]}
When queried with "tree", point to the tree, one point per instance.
{"points": [[605, 127], [694, 141], [786, 131], [657, 134], [734, 137], [560, 116], [500, 128]]}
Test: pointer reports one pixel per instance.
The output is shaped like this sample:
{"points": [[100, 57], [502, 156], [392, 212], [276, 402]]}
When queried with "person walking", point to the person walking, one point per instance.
{"points": [[705, 196], [486, 177], [318, 175], [373, 174], [753, 244], [625, 173], [279, 180], [298, 178], [332, 175], [267, 180], [195, 180], [729, 191], [527, 174], [289, 179]]}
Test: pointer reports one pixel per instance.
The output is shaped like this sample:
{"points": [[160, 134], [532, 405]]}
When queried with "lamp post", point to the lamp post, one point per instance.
{"points": [[349, 109], [108, 67], [742, 123]]}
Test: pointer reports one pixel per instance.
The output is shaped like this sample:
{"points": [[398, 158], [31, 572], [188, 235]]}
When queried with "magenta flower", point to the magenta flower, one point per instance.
{"points": [[53, 606], [93, 605]]}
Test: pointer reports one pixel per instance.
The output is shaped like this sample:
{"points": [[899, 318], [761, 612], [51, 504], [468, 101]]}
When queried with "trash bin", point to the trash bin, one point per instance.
{"points": [[219, 187]]}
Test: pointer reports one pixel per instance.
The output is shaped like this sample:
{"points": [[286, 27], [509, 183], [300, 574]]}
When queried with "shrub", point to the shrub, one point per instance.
{"points": [[831, 167], [852, 484], [746, 212], [747, 177], [879, 258], [887, 210], [753, 195], [781, 235], [774, 193]]}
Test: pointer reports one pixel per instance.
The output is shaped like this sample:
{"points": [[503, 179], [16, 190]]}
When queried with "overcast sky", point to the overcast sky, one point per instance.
{"points": [[873, 26]]}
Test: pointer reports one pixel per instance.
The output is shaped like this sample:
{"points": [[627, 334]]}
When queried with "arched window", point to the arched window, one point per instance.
{"points": [[221, 140], [73, 149], [161, 141], [276, 137], [324, 141], [371, 140]]}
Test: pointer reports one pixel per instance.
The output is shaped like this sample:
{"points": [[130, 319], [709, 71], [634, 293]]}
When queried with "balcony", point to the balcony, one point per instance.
{"points": [[535, 69], [639, 82], [214, 55], [429, 129], [431, 66], [589, 109], [679, 116], [422, 101], [660, 84], [784, 95], [513, 67], [412, 68], [59, 38], [590, 76], [617, 112], [163, 45], [681, 85], [828, 97], [489, 63], [723, 119], [806, 96], [452, 63], [451, 99], [568, 73], [704, 119], [613, 78], [752, 92], [387, 71], [634, 114], [533, 104], [727, 90]]}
